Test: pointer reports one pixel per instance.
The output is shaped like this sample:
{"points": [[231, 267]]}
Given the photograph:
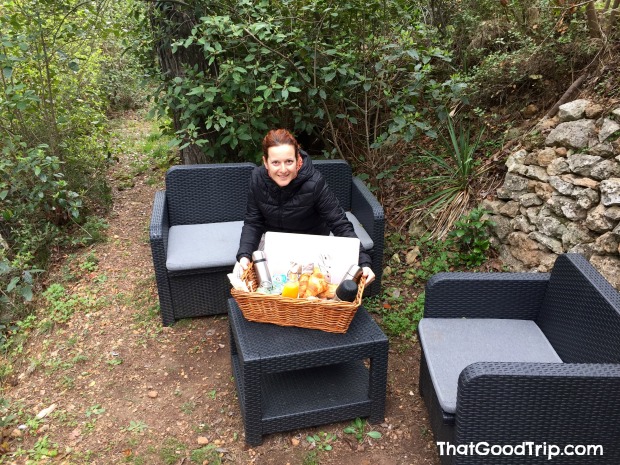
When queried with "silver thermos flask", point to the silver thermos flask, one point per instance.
{"points": [[262, 271]]}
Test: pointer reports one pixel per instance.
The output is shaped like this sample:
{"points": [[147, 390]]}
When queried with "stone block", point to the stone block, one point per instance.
{"points": [[558, 166], [545, 156], [530, 200], [563, 187], [582, 164], [550, 243], [597, 221], [610, 192], [573, 111], [609, 267], [573, 134]]}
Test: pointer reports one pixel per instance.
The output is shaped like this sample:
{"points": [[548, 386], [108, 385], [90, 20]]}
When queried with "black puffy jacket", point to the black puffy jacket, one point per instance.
{"points": [[305, 206]]}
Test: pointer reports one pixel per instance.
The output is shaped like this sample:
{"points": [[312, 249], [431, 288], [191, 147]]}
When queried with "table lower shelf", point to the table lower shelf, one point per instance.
{"points": [[310, 397]]}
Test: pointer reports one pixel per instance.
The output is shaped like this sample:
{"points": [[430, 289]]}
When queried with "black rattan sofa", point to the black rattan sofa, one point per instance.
{"points": [[196, 224], [523, 359]]}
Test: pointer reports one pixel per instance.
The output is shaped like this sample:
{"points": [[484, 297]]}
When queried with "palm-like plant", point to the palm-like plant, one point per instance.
{"points": [[453, 185]]}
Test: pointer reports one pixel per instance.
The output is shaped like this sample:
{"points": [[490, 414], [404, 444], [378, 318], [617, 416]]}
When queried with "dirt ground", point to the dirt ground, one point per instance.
{"points": [[127, 390]]}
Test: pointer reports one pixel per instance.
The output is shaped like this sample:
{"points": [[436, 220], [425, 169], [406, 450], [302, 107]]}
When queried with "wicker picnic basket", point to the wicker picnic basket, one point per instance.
{"points": [[326, 315]]}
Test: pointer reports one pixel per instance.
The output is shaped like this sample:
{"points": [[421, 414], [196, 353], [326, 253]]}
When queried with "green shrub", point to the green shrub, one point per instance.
{"points": [[452, 184], [470, 237], [357, 76], [53, 139], [404, 321]]}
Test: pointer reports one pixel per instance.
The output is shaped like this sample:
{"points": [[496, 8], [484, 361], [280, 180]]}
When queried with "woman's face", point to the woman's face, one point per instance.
{"points": [[281, 164]]}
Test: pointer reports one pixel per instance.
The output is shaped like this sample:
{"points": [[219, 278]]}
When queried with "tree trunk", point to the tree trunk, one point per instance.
{"points": [[171, 21], [565, 97], [613, 17], [594, 26]]}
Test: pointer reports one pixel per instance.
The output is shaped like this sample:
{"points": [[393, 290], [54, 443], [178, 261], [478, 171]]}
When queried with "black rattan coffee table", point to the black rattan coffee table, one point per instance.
{"points": [[289, 378]]}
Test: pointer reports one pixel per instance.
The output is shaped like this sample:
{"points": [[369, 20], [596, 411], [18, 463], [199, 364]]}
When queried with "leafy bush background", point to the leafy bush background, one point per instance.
{"points": [[354, 77], [56, 87]]}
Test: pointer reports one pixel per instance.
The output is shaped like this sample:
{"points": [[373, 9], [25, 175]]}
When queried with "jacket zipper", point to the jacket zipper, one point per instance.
{"points": [[280, 209]]}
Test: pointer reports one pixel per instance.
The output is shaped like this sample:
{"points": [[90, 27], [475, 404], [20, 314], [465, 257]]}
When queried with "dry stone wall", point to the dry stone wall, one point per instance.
{"points": [[563, 196]]}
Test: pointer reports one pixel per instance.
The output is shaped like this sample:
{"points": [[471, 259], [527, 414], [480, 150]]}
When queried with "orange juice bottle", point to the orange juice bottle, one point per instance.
{"points": [[291, 286], [291, 289]]}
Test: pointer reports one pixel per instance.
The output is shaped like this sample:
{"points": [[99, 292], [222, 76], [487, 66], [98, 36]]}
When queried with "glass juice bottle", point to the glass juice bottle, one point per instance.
{"points": [[291, 286]]}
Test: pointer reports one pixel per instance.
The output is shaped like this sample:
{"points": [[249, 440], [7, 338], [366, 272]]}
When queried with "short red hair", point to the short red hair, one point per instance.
{"points": [[277, 137]]}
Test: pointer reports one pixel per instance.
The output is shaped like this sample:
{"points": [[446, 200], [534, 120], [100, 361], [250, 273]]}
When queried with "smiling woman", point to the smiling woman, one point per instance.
{"points": [[281, 156], [288, 195]]}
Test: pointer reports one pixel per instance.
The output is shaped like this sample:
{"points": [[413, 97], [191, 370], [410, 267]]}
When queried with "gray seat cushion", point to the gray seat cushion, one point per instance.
{"points": [[451, 344], [196, 246], [360, 232]]}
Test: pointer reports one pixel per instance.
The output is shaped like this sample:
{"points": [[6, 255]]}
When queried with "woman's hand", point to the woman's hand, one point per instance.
{"points": [[244, 262], [369, 274]]}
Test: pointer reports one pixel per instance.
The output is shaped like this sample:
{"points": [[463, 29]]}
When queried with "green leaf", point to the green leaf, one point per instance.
{"points": [[12, 284], [284, 94], [294, 89], [3, 194], [367, 86], [196, 91], [374, 434], [7, 72], [26, 293], [322, 94], [349, 430], [74, 66]]}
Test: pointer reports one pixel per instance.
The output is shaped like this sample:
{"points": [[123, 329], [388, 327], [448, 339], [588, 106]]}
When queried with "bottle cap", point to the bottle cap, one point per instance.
{"points": [[354, 273], [347, 290]]}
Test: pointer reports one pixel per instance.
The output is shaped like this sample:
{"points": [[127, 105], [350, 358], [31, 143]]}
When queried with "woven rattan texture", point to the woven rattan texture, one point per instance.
{"points": [[561, 404], [200, 293], [369, 212], [199, 194], [485, 295], [338, 175], [581, 313], [290, 378], [158, 233], [324, 315], [511, 403]]}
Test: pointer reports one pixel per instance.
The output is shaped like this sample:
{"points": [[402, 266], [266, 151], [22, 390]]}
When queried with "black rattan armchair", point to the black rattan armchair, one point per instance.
{"points": [[194, 233], [523, 359]]}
